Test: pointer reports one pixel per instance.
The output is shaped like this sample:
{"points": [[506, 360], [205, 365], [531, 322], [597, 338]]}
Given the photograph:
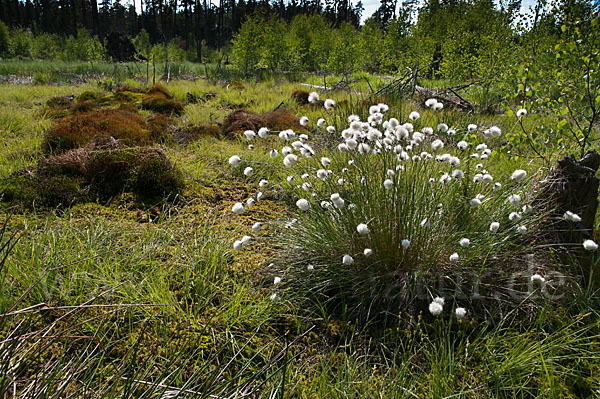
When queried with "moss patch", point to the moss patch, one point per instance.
{"points": [[25, 191], [147, 172]]}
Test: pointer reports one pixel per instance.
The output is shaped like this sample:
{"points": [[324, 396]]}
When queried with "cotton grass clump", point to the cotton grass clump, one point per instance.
{"points": [[390, 218]]}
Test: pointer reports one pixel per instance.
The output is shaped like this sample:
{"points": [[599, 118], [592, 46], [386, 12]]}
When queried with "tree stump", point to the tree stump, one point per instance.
{"points": [[573, 186]]}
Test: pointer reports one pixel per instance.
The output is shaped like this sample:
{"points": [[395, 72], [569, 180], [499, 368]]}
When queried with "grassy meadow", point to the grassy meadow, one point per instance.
{"points": [[130, 296]]}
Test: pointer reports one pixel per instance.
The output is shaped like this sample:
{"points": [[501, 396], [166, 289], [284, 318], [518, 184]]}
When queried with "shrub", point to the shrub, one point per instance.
{"points": [[240, 120], [77, 130], [20, 43], [46, 46], [144, 171], [157, 103], [4, 39]]}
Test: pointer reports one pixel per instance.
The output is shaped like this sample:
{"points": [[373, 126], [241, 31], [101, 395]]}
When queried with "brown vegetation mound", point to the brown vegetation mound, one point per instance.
{"points": [[126, 88], [300, 96], [240, 120], [281, 119], [144, 171], [90, 96], [156, 102], [78, 130], [83, 175], [158, 90]]}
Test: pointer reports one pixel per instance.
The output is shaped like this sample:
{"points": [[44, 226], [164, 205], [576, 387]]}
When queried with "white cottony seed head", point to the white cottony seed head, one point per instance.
{"points": [[590, 245], [435, 308], [347, 259], [362, 229]]}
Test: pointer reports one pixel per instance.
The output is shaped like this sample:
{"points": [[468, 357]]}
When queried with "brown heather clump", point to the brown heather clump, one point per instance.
{"points": [[27, 191], [78, 130], [281, 119], [240, 120], [300, 96], [84, 175], [70, 163], [84, 106], [126, 97], [159, 128]]}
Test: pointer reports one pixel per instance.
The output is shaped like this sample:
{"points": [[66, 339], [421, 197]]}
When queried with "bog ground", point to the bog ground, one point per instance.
{"points": [[154, 244]]}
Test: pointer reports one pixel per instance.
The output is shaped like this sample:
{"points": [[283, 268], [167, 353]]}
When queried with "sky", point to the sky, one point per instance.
{"points": [[372, 5]]}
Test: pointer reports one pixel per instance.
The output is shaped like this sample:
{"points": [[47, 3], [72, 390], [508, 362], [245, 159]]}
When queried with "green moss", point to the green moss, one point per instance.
{"points": [[126, 96], [31, 192], [90, 96], [144, 171], [162, 105]]}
